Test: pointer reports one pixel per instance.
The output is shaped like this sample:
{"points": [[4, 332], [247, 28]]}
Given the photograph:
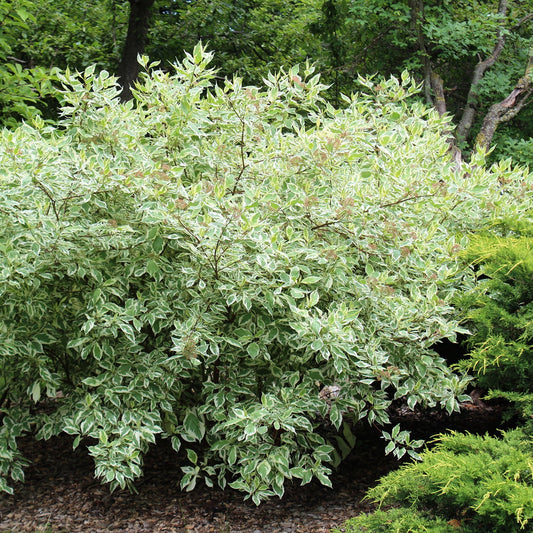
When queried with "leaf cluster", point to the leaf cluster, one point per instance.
{"points": [[65, 34], [396, 520]]}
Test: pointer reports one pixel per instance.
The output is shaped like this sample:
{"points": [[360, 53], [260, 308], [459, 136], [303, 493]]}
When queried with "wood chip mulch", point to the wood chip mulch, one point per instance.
{"points": [[60, 493]]}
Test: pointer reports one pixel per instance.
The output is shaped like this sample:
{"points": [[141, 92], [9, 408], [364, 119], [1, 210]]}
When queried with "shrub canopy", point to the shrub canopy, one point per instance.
{"points": [[199, 263]]}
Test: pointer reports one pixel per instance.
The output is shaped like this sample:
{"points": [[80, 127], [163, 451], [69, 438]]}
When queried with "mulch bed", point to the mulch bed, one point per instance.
{"points": [[61, 494]]}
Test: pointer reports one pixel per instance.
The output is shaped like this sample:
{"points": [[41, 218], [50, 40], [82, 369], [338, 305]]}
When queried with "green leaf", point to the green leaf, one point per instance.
{"points": [[193, 427], [335, 415], [316, 326], [317, 345], [324, 479], [297, 293], [297, 471], [307, 477], [267, 401], [22, 14], [344, 447], [311, 280], [250, 429], [395, 431], [232, 455], [247, 302], [242, 333], [102, 437], [152, 268], [253, 350], [323, 452], [314, 298], [348, 435], [176, 443], [36, 392], [93, 381], [390, 446], [264, 469], [192, 456], [96, 296], [128, 331], [158, 244], [188, 482]]}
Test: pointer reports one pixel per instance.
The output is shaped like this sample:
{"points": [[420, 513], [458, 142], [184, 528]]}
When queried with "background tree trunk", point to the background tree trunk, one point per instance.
{"points": [[433, 83], [469, 113], [507, 108], [138, 25]]}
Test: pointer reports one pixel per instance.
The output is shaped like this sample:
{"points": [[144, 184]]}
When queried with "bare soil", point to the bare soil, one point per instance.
{"points": [[60, 493]]}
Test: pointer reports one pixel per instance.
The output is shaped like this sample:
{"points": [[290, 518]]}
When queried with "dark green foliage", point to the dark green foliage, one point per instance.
{"points": [[250, 37], [402, 520], [22, 89], [520, 150], [483, 482], [62, 33]]}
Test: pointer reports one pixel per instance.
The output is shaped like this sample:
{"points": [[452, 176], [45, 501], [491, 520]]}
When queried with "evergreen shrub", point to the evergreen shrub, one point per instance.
{"points": [[500, 310], [478, 483]]}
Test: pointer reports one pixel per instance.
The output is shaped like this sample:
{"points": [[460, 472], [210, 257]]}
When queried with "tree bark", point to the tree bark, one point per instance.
{"points": [[138, 25], [508, 108], [469, 113], [433, 83], [437, 85]]}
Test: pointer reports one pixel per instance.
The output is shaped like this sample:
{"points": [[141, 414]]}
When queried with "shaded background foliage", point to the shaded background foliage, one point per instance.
{"points": [[441, 42]]}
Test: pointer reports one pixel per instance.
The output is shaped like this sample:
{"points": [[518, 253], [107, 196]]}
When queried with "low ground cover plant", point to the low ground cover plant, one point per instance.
{"points": [[471, 482], [200, 263], [397, 520]]}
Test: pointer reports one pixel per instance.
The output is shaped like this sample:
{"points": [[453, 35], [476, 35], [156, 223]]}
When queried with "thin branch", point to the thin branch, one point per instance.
{"points": [[17, 60], [216, 255], [188, 230], [408, 199], [241, 145], [49, 195], [326, 224], [523, 20]]}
